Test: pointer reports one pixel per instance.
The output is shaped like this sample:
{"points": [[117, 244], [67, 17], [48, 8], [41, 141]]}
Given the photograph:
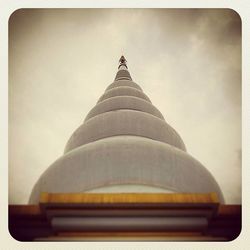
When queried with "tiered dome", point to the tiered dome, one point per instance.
{"points": [[125, 140]]}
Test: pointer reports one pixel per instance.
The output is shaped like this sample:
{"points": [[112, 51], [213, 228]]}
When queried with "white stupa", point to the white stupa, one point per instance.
{"points": [[125, 145]]}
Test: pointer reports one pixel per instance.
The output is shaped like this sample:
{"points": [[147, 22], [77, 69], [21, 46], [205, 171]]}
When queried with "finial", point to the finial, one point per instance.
{"points": [[122, 61]]}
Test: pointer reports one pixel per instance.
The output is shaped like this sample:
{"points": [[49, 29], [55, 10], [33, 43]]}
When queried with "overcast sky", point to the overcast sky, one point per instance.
{"points": [[187, 61]]}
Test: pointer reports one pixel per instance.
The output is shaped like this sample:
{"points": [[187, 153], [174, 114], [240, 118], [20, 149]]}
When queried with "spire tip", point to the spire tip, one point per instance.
{"points": [[122, 61]]}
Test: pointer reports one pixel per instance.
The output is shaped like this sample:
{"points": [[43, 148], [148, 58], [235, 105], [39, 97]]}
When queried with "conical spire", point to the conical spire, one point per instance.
{"points": [[123, 73], [125, 140]]}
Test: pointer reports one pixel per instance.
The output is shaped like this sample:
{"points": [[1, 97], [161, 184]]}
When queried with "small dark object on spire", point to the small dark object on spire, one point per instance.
{"points": [[122, 61]]}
